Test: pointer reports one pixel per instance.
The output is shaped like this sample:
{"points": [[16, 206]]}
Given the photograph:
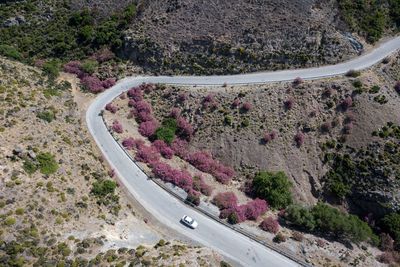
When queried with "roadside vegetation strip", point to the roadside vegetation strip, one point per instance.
{"points": [[209, 215]]}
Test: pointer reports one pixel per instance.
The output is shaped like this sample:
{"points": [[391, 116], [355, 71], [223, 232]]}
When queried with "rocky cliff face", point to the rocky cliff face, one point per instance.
{"points": [[237, 36]]}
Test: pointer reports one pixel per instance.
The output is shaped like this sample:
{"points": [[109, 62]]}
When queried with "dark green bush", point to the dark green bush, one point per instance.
{"points": [[103, 188], [47, 163], [391, 224], [330, 222], [10, 52], [167, 130], [47, 115], [274, 188]]}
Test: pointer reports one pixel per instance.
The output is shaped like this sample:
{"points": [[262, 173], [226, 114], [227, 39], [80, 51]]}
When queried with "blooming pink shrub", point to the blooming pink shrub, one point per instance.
{"points": [[298, 81], [175, 113], [253, 209], [346, 103], [107, 83], [74, 67], [165, 172], [147, 154], [289, 103], [92, 84], [273, 134], [180, 148], [225, 200], [135, 93], [143, 116], [350, 117], [234, 215], [348, 128], [110, 107], [147, 87], [236, 103], [39, 63], [200, 185], [269, 136], [142, 106], [182, 97], [103, 55], [117, 127], [209, 101], [205, 189], [148, 128], [270, 224], [164, 149], [397, 87], [193, 197], [247, 106], [299, 138], [203, 161], [185, 129], [326, 127], [129, 143]]}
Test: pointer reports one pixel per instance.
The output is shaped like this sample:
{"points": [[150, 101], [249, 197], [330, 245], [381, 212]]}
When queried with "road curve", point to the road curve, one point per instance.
{"points": [[167, 209]]}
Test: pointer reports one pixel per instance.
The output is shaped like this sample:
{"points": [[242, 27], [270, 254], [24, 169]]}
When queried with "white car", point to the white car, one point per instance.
{"points": [[189, 222]]}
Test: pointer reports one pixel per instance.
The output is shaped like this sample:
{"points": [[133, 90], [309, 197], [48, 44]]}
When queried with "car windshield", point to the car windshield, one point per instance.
{"points": [[189, 220]]}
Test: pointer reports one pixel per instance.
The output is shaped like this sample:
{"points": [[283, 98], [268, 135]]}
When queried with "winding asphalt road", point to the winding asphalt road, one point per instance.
{"points": [[169, 210]]}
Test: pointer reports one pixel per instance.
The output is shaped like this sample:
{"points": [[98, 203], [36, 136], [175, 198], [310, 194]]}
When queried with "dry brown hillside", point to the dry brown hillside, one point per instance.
{"points": [[59, 205]]}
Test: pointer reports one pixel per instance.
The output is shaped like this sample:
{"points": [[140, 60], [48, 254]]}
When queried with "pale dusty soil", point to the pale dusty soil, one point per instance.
{"points": [[50, 202]]}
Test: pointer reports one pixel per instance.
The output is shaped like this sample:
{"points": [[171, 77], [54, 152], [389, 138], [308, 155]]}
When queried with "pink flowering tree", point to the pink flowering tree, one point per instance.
{"points": [[247, 106], [397, 87], [175, 113], [297, 81], [180, 148], [299, 139], [270, 224], [103, 55], [135, 94], [107, 83], [129, 143], [111, 107], [164, 149], [74, 67], [254, 208], [236, 103], [182, 97], [346, 103], [147, 154], [185, 129], [92, 84], [117, 127], [289, 103], [148, 128], [225, 200]]}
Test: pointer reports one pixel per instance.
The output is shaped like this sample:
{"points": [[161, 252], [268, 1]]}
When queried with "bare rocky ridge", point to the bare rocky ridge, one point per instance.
{"points": [[238, 36]]}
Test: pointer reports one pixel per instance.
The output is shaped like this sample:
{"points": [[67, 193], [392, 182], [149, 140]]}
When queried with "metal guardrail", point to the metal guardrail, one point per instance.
{"points": [[269, 245]]}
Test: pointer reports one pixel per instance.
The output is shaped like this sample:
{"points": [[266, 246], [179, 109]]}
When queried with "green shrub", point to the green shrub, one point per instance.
{"points": [[103, 188], [300, 217], [10, 221], [391, 224], [167, 130], [331, 222], [52, 68], [274, 188], [340, 178], [89, 66], [10, 52], [29, 166], [47, 163], [19, 211], [47, 115]]}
